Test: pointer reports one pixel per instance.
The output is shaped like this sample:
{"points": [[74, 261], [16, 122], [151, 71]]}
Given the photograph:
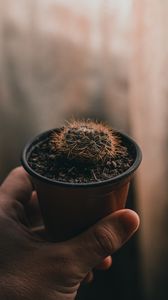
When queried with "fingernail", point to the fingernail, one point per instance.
{"points": [[128, 222]]}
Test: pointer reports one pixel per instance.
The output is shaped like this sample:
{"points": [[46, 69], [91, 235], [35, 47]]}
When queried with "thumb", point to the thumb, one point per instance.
{"points": [[104, 238]]}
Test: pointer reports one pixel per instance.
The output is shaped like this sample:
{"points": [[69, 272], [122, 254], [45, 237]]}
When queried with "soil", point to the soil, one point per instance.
{"points": [[43, 161]]}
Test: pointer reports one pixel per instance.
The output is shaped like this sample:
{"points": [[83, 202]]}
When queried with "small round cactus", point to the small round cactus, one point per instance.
{"points": [[87, 141]]}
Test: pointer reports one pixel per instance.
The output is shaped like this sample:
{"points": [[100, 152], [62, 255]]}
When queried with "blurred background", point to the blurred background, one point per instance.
{"points": [[106, 60]]}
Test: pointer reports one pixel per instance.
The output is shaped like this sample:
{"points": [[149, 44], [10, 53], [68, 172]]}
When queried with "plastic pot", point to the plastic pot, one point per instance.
{"points": [[67, 208]]}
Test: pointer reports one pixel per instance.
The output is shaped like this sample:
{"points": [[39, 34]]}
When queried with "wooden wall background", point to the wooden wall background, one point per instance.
{"points": [[149, 118], [50, 70]]}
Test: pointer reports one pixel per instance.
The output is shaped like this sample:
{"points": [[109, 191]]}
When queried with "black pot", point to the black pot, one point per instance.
{"points": [[67, 208]]}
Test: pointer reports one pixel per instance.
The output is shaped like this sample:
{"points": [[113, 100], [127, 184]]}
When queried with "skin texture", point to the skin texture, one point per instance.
{"points": [[33, 268]]}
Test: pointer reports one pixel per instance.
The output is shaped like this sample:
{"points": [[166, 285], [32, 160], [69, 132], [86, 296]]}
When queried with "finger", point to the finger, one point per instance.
{"points": [[88, 278], [15, 193], [41, 232], [33, 212], [104, 238], [105, 264], [17, 186]]}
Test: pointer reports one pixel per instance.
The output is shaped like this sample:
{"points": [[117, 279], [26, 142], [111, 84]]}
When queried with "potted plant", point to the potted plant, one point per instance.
{"points": [[81, 173]]}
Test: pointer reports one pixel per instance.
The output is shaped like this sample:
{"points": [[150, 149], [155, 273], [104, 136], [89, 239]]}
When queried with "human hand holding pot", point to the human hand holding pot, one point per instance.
{"points": [[33, 267]]}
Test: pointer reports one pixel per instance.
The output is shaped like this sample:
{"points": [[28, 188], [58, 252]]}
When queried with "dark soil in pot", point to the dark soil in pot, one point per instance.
{"points": [[44, 161]]}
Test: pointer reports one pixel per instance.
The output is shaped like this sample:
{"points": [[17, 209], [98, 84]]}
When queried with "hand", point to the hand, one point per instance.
{"points": [[33, 268]]}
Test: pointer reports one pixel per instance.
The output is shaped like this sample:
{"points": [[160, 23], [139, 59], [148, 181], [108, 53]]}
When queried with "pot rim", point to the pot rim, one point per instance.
{"points": [[113, 180]]}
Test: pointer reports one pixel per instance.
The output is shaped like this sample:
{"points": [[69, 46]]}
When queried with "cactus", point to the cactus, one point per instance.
{"points": [[87, 142]]}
